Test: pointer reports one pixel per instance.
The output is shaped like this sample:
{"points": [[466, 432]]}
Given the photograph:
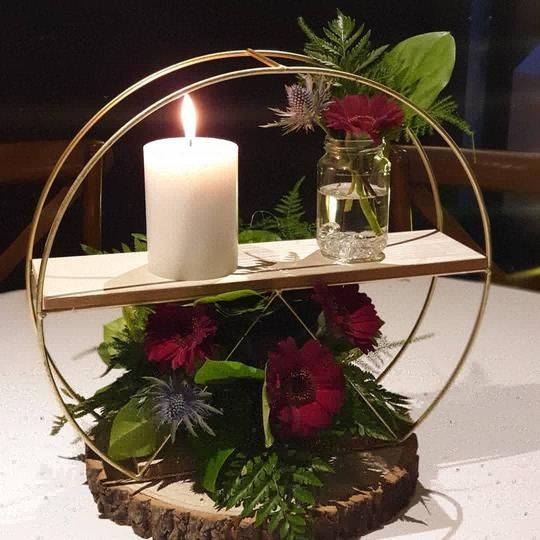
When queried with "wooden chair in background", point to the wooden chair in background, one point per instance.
{"points": [[496, 171], [30, 163]]}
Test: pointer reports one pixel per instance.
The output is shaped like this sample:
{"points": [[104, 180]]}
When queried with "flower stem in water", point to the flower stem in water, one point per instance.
{"points": [[366, 208], [358, 186]]}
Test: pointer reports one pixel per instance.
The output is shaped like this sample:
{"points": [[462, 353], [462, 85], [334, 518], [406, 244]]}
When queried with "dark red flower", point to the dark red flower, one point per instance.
{"points": [[179, 336], [349, 313], [306, 388], [360, 114]]}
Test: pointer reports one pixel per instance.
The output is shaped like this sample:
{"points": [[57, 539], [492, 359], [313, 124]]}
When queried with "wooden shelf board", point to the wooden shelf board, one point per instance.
{"points": [[123, 278]]}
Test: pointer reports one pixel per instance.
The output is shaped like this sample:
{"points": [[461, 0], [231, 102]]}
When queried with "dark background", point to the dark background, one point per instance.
{"points": [[62, 61]]}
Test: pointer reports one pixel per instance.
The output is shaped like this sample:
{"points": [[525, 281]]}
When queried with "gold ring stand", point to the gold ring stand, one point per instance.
{"points": [[35, 280]]}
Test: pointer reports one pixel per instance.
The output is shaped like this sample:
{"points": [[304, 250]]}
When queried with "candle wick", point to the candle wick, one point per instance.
{"points": [[191, 141]]}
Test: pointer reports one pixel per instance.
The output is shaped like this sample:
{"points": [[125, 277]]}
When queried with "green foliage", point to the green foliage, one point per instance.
{"points": [[422, 65], [106, 402], [139, 244], [237, 429], [284, 222], [418, 67], [274, 482], [113, 329], [121, 352], [345, 47], [246, 304], [253, 236], [59, 422], [277, 488], [364, 396], [89, 250], [268, 436], [133, 433], [220, 371], [290, 213], [444, 111], [231, 296], [216, 459], [122, 345]]}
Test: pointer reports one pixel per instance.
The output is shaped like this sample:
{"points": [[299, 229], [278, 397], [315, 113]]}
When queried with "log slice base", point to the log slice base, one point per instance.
{"points": [[368, 489]]}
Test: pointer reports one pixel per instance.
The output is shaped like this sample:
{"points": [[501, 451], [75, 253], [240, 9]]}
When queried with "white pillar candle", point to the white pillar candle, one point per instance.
{"points": [[191, 187]]}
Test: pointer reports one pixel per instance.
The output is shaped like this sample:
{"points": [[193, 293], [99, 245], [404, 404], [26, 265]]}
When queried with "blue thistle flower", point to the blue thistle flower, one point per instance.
{"points": [[177, 403], [305, 103]]}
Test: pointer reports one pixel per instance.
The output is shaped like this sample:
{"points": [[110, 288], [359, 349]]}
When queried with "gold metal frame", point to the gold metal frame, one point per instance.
{"points": [[35, 288]]}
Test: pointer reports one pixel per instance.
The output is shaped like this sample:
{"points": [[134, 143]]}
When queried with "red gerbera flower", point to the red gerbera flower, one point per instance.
{"points": [[349, 313], [306, 388], [360, 114], [179, 335]]}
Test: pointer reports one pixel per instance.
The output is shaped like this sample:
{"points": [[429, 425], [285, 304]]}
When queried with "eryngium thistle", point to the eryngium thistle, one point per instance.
{"points": [[175, 403], [305, 104]]}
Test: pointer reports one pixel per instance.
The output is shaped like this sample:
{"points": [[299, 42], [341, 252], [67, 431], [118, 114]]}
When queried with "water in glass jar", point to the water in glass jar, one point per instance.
{"points": [[343, 232]]}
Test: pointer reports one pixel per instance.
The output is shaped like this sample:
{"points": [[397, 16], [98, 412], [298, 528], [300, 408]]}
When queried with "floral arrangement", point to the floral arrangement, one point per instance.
{"points": [[419, 68], [358, 122], [265, 390]]}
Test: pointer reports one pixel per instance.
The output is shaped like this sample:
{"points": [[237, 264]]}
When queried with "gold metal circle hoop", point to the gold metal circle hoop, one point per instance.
{"points": [[35, 287]]}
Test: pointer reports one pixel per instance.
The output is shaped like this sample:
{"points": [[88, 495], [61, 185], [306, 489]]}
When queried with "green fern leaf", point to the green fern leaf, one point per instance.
{"points": [[279, 496], [264, 511], [307, 477], [285, 222], [303, 495], [284, 530], [372, 57], [273, 524], [255, 499], [443, 111], [59, 423], [289, 214], [365, 396], [290, 205], [345, 47]]}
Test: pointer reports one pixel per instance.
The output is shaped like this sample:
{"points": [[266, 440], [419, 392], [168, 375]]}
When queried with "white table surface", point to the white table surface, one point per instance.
{"points": [[479, 450]]}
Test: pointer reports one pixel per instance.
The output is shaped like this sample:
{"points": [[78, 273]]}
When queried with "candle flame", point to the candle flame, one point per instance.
{"points": [[189, 117]]}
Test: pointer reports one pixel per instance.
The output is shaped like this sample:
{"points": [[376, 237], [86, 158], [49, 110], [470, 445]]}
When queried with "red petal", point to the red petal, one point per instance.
{"points": [[161, 350], [331, 400], [314, 354], [314, 416]]}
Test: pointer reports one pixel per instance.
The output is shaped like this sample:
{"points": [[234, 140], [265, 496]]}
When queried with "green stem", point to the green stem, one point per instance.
{"points": [[358, 185], [352, 189], [366, 207]]}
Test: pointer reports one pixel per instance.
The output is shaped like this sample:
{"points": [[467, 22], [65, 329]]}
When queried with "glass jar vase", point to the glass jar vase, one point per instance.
{"points": [[353, 194]]}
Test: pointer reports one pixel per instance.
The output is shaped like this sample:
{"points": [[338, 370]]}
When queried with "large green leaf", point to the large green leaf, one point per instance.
{"points": [[133, 434], [425, 64], [211, 454], [213, 466], [268, 437], [113, 329], [227, 297], [234, 431], [217, 371]]}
